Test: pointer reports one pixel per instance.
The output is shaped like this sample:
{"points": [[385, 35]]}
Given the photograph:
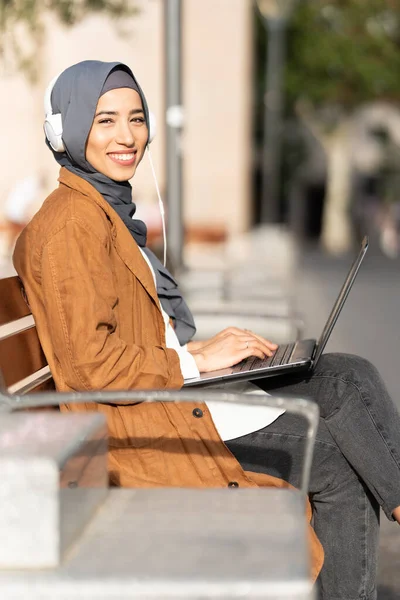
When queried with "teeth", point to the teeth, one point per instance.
{"points": [[122, 156]]}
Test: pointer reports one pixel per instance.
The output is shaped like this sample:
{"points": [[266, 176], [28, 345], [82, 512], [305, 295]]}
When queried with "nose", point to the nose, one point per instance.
{"points": [[125, 135]]}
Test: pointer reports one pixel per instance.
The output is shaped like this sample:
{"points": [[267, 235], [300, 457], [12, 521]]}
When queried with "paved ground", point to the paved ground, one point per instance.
{"points": [[369, 326]]}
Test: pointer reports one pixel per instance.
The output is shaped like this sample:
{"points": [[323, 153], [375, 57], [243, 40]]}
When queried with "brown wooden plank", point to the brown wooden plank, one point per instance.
{"points": [[40, 409], [12, 303], [21, 355], [47, 386]]}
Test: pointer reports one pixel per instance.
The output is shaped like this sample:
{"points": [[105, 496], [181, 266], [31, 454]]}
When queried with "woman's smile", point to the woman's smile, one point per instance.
{"points": [[123, 158]]}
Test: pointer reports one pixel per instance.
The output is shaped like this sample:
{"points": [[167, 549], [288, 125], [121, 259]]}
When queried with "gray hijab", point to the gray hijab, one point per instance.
{"points": [[75, 95]]}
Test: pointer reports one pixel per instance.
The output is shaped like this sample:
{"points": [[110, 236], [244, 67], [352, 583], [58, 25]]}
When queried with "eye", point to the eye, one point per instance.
{"points": [[139, 120], [105, 121]]}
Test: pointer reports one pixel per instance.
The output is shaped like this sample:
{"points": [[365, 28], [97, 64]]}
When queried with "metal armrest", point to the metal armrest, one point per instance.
{"points": [[305, 408]]}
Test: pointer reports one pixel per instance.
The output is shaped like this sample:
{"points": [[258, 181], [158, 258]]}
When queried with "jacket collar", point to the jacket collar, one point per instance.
{"points": [[125, 245]]}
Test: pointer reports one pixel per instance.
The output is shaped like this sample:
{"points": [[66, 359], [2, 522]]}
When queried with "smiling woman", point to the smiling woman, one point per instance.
{"points": [[110, 316]]}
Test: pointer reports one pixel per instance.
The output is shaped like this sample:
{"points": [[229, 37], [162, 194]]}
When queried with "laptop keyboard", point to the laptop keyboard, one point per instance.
{"points": [[280, 357]]}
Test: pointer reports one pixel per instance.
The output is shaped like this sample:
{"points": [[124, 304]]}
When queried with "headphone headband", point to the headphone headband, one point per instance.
{"points": [[52, 122], [48, 109]]}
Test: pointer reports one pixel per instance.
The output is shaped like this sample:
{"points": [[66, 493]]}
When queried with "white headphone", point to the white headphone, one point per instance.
{"points": [[53, 122]]}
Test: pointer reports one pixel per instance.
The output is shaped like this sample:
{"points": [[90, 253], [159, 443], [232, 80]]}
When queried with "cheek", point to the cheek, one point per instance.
{"points": [[141, 140], [96, 143], [141, 134]]}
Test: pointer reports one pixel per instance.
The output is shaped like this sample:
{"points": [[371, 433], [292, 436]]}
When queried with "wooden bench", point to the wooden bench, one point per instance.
{"points": [[24, 371], [23, 364], [181, 543]]}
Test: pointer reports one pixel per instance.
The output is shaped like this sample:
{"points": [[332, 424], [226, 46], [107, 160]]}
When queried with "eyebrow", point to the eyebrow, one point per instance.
{"points": [[134, 111]]}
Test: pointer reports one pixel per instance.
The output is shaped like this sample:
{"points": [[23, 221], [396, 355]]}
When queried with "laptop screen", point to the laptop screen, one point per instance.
{"points": [[344, 292]]}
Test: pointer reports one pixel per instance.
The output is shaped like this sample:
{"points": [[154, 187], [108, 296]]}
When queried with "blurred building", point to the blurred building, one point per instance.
{"points": [[217, 69]]}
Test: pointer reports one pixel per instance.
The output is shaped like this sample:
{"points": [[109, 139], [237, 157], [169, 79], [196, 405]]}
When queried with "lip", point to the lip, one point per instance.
{"points": [[125, 163]]}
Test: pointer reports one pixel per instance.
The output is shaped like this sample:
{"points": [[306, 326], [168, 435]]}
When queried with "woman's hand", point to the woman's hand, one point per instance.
{"points": [[229, 347]]}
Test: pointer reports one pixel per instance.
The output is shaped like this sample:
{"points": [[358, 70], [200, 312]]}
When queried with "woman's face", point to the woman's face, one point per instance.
{"points": [[118, 137]]}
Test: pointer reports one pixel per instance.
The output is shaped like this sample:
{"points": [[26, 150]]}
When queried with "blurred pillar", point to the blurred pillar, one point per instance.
{"points": [[273, 108], [276, 14], [174, 124]]}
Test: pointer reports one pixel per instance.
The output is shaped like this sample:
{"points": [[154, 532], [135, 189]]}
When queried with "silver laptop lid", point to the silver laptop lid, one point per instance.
{"points": [[341, 299]]}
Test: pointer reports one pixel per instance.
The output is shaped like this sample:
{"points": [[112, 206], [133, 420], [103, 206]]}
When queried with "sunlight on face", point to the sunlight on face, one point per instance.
{"points": [[118, 137]]}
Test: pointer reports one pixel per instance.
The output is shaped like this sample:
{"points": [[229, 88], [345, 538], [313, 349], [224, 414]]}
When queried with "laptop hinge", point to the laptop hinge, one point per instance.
{"points": [[314, 351]]}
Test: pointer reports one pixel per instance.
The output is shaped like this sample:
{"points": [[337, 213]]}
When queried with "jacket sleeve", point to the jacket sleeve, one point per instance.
{"points": [[80, 300]]}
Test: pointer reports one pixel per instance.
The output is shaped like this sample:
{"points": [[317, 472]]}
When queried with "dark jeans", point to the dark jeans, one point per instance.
{"points": [[356, 466]]}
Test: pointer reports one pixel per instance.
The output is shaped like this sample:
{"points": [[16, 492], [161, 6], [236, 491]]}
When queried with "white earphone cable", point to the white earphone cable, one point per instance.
{"points": [[160, 204]]}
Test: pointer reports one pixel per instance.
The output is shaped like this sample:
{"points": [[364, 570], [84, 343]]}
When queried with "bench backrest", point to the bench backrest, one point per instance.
{"points": [[23, 364]]}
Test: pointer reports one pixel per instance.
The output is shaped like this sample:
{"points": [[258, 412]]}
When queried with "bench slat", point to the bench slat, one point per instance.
{"points": [[14, 327], [37, 382], [12, 305], [22, 361], [20, 356]]}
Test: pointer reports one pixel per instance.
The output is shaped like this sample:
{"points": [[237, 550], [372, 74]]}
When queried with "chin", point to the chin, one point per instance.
{"points": [[125, 176]]}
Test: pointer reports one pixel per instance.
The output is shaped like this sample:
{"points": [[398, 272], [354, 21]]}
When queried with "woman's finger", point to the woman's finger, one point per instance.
{"points": [[268, 343], [252, 350], [240, 332], [248, 341]]}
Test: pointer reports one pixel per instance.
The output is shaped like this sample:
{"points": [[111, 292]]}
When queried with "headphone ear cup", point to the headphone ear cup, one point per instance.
{"points": [[53, 130], [152, 126]]}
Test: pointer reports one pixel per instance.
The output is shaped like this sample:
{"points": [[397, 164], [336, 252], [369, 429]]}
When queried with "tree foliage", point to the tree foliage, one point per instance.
{"points": [[22, 25], [344, 52]]}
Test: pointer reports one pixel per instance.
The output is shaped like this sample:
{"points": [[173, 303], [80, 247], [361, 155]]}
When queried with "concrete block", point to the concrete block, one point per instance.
{"points": [[53, 476], [182, 544]]}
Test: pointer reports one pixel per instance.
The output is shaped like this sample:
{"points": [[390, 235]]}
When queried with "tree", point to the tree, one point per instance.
{"points": [[342, 53], [22, 26]]}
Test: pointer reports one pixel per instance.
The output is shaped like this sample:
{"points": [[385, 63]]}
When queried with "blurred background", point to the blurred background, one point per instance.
{"points": [[276, 116], [287, 110]]}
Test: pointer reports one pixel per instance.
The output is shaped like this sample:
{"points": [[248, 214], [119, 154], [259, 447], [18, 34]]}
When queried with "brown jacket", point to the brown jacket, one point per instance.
{"points": [[100, 325]]}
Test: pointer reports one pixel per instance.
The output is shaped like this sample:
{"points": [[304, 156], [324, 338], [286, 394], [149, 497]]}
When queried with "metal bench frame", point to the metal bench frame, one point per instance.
{"points": [[304, 408]]}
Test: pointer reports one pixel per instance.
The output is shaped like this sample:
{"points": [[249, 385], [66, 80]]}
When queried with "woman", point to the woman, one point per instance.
{"points": [[95, 292]]}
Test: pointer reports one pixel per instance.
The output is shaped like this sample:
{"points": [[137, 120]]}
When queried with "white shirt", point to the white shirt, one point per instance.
{"points": [[231, 421]]}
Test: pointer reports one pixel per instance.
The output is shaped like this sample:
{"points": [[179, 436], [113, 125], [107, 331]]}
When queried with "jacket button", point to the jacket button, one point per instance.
{"points": [[197, 412], [233, 484]]}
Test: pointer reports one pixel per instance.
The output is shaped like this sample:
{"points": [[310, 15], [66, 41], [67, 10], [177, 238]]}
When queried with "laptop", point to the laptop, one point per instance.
{"points": [[302, 355]]}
